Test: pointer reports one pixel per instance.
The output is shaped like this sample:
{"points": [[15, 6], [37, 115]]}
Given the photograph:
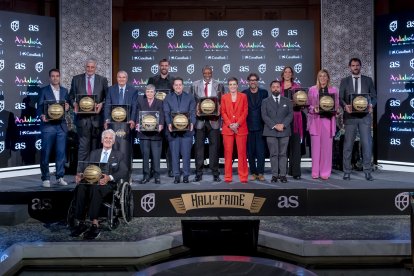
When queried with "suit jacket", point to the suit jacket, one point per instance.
{"points": [[130, 98], [346, 88], [187, 105], [157, 105], [100, 88], [217, 90], [234, 115], [46, 94], [273, 113], [254, 116], [314, 120], [116, 162]]}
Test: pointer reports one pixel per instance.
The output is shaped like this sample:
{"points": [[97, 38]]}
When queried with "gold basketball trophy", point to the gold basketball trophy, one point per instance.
{"points": [[327, 104], [149, 120], [160, 94], [119, 113], [208, 106], [91, 172], [299, 96], [359, 103], [180, 121], [54, 110], [86, 103]]}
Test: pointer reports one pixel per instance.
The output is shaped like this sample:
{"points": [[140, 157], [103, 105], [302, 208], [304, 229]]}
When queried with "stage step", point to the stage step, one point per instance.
{"points": [[13, 214]]}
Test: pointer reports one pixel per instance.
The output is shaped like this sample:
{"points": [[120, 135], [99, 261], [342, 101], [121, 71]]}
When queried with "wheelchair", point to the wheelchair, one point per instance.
{"points": [[115, 208]]}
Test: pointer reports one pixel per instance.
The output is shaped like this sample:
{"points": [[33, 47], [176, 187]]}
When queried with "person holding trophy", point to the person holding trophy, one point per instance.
{"points": [[323, 100]]}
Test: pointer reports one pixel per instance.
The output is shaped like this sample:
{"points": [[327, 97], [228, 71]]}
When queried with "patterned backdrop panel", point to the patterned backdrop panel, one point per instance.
{"points": [[85, 31], [347, 31]]}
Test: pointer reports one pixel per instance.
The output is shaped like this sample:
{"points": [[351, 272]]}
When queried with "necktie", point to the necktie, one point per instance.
{"points": [[277, 100], [89, 86], [121, 96], [206, 89], [356, 85], [105, 157]]}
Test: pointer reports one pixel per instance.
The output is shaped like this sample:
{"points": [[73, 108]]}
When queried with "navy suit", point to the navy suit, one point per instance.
{"points": [[180, 142], [357, 121], [88, 125], [95, 194], [53, 133], [256, 145], [123, 141]]}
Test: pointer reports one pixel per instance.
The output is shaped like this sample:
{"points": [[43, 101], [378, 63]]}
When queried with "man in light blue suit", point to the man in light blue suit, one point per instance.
{"points": [[54, 132], [362, 122]]}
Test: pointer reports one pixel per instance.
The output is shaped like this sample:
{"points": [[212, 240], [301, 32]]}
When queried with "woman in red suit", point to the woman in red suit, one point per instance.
{"points": [[234, 114]]}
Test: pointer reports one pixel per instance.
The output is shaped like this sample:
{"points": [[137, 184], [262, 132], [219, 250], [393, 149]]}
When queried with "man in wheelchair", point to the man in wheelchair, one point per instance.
{"points": [[95, 182]]}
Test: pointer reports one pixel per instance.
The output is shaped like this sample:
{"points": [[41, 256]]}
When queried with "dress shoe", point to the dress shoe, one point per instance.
{"points": [[176, 180], [157, 181], [274, 179], [347, 176], [185, 179], [297, 177], [92, 233], [170, 174], [368, 176], [253, 177], [145, 180], [283, 179], [79, 229], [198, 178], [217, 178], [261, 177]]}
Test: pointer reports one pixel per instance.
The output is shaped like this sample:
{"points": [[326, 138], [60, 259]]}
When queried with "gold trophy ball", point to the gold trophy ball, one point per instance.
{"points": [[87, 104], [207, 106], [55, 111], [149, 122], [118, 114], [326, 103], [360, 103], [92, 174], [180, 121], [160, 95], [300, 97]]}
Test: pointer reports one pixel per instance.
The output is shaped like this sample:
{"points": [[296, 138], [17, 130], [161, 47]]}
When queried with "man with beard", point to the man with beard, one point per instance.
{"points": [[277, 114]]}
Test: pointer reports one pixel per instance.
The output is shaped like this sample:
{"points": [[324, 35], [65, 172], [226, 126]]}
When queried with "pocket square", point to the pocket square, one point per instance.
{"points": [[284, 105]]}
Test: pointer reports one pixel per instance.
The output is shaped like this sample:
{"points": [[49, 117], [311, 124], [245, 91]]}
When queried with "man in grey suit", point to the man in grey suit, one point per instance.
{"points": [[89, 125], [277, 114], [354, 122], [207, 125]]}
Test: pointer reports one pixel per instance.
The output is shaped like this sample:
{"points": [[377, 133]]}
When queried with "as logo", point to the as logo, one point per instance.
{"points": [[188, 33], [173, 69], [19, 66], [222, 32], [395, 102], [244, 68], [257, 32], [288, 202], [152, 33], [20, 146], [19, 106], [394, 64], [279, 68], [395, 142], [41, 204], [136, 69], [33, 28], [292, 32], [410, 24]]}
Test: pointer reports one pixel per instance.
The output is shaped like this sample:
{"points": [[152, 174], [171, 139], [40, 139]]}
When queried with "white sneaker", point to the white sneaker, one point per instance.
{"points": [[46, 183], [62, 182]]}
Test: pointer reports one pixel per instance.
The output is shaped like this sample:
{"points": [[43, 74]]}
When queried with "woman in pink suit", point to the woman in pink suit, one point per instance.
{"points": [[321, 126], [234, 113]]}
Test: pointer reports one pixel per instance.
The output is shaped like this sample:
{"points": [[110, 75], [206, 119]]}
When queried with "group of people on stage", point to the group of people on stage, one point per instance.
{"points": [[253, 118]]}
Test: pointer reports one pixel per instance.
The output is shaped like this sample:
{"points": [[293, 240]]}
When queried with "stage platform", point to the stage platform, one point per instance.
{"points": [[386, 195]]}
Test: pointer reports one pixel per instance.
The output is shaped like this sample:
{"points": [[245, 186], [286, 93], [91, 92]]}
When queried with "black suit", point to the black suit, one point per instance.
{"points": [[89, 126], [95, 194]]}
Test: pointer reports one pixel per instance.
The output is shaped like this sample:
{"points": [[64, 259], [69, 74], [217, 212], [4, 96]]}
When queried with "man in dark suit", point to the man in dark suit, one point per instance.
{"points": [[164, 80], [255, 143], [93, 195], [277, 114], [180, 141], [89, 125], [207, 125], [54, 132], [362, 122], [122, 94]]}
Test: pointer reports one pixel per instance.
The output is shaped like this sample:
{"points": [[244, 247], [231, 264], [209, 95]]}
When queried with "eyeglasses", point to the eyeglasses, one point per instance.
{"points": [[253, 80]]}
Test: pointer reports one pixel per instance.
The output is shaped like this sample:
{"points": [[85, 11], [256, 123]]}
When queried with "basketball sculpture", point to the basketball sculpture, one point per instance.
{"points": [[160, 95], [55, 111], [360, 103], [118, 114], [300, 97], [149, 122], [207, 106], [92, 174], [87, 104], [180, 122], [326, 103]]}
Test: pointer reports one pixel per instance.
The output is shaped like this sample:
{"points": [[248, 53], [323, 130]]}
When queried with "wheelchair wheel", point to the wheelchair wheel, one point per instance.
{"points": [[127, 202], [71, 218], [112, 217]]}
